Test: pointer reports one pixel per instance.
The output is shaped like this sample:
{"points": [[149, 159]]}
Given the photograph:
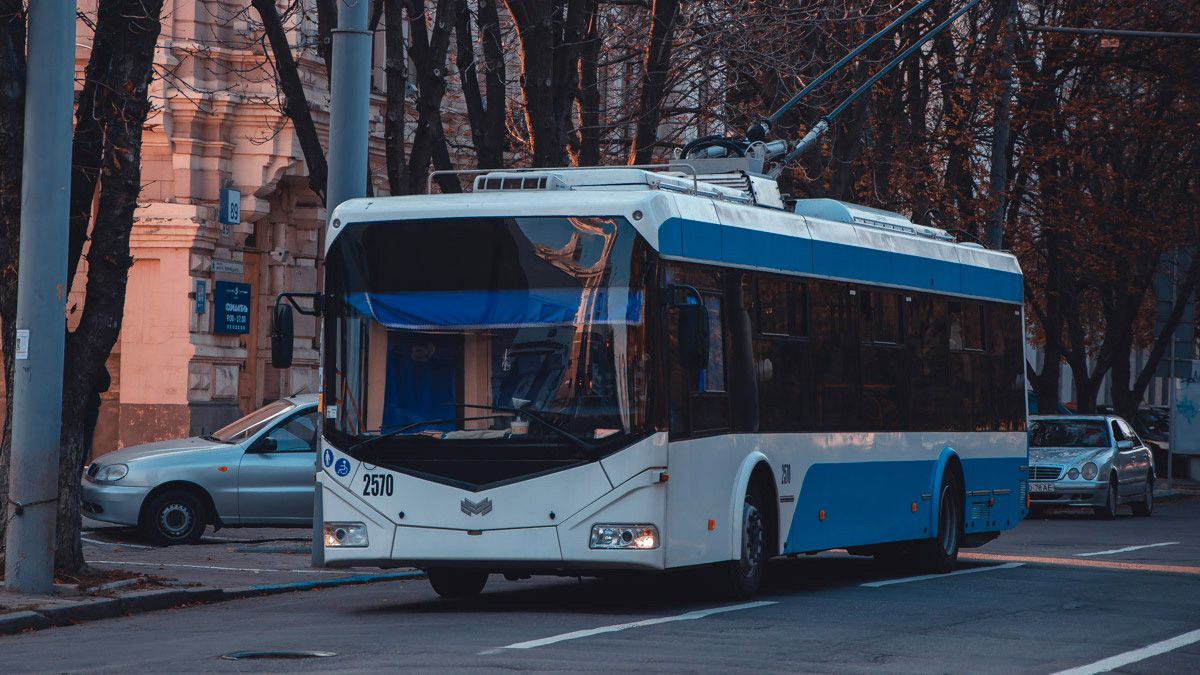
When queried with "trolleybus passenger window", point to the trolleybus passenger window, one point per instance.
{"points": [[773, 312], [881, 317], [782, 308], [966, 327], [799, 308], [712, 378]]}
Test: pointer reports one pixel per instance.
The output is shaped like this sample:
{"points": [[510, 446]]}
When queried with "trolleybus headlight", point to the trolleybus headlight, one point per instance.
{"points": [[624, 536], [341, 535], [1073, 473], [1090, 470]]}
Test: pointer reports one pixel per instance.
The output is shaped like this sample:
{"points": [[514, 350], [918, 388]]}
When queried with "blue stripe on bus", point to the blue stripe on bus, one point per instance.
{"points": [[716, 243], [871, 502]]}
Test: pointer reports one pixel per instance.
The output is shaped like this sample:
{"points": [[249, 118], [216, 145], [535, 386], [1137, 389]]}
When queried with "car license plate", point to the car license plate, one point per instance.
{"points": [[1041, 487]]}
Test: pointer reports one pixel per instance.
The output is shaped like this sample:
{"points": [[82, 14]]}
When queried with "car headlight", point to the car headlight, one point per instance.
{"points": [[342, 535], [1090, 470], [112, 472], [624, 536]]}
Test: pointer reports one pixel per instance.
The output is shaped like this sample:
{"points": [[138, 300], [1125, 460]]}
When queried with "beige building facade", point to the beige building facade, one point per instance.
{"points": [[217, 124]]}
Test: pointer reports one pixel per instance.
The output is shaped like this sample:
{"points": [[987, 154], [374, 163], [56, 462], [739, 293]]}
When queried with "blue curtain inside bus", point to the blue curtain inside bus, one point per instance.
{"points": [[422, 380], [495, 309]]}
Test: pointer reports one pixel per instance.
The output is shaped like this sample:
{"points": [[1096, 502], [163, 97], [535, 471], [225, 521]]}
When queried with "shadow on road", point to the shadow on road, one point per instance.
{"points": [[658, 593]]}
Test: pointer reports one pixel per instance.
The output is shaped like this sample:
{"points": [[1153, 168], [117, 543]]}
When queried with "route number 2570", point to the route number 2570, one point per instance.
{"points": [[377, 485]]}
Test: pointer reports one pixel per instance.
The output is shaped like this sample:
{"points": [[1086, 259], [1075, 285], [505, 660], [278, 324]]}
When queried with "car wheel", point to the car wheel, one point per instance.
{"points": [[457, 583], [1145, 508], [744, 576], [940, 554], [1111, 500], [174, 517]]}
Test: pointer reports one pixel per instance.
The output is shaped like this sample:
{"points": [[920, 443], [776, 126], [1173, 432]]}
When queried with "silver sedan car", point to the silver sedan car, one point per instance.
{"points": [[257, 471], [1089, 460]]}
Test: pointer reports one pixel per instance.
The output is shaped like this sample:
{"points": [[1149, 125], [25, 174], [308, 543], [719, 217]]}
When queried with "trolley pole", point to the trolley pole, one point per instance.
{"points": [[41, 290], [349, 108]]}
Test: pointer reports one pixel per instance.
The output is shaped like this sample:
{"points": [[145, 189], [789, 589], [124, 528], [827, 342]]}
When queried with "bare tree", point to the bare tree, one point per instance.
{"points": [[295, 101]]}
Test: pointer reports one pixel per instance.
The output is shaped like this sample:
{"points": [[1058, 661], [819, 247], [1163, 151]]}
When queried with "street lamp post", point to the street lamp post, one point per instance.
{"points": [[41, 298]]}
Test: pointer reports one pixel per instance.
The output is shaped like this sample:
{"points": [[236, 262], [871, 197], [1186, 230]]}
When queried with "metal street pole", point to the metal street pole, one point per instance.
{"points": [[41, 287], [1171, 377], [349, 107]]}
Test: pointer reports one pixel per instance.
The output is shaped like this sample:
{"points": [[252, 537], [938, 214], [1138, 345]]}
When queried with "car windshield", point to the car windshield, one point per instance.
{"points": [[248, 425], [488, 332], [1068, 434]]}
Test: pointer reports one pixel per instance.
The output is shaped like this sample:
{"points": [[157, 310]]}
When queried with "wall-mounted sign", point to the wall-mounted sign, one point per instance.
{"points": [[231, 207], [231, 305], [228, 266], [201, 296]]}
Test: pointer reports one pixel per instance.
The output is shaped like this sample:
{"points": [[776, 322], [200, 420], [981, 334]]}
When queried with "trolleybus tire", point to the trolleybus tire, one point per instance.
{"points": [[174, 516], [457, 583], [940, 554], [1111, 500], [744, 576], [1145, 507]]}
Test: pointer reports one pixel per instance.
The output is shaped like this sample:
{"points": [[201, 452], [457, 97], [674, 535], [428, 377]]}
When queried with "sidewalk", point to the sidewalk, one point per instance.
{"points": [[1181, 488], [136, 577]]}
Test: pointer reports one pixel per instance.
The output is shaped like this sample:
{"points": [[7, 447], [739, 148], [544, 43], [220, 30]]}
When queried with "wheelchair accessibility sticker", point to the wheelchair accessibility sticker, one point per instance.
{"points": [[342, 467]]}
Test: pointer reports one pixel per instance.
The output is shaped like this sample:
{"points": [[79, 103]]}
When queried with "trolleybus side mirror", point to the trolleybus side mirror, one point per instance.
{"points": [[693, 336], [282, 336]]}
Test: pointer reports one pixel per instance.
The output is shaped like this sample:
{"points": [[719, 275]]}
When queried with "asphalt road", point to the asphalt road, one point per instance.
{"points": [[1056, 593]]}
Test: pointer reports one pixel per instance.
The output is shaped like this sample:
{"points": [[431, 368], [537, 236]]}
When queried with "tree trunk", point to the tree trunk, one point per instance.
{"points": [[295, 102], [135, 26], [550, 33], [1001, 123], [396, 73], [654, 79], [327, 13], [428, 51], [485, 113], [12, 138], [590, 128]]}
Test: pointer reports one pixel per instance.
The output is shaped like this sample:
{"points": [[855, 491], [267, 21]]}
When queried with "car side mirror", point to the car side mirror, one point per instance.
{"points": [[282, 336], [1124, 445], [263, 446], [693, 336]]}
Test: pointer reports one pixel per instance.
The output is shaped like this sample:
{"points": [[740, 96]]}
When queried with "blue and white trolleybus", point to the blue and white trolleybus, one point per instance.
{"points": [[590, 370]]}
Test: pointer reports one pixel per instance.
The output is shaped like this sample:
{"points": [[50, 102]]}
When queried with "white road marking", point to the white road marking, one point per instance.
{"points": [[1127, 549], [112, 543], [1126, 658], [212, 567], [575, 635], [924, 577]]}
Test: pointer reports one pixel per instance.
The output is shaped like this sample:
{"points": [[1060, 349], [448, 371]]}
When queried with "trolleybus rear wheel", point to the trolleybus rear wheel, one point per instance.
{"points": [[940, 554], [457, 583]]}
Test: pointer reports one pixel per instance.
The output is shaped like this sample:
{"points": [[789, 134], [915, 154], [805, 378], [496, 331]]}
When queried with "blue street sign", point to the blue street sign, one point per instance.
{"points": [[231, 207], [231, 305], [201, 296]]}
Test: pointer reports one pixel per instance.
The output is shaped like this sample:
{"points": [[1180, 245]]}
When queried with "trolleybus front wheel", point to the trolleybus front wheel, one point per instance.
{"points": [[457, 583], [745, 575]]}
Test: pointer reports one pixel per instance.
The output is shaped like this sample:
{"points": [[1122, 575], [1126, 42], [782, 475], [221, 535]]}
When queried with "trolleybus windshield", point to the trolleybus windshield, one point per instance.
{"points": [[487, 334]]}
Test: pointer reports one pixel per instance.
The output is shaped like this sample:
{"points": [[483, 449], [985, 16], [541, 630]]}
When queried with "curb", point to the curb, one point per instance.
{"points": [[156, 599]]}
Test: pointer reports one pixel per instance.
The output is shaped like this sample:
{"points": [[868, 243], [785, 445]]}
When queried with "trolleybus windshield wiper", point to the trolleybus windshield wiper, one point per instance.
{"points": [[579, 442], [401, 431]]}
